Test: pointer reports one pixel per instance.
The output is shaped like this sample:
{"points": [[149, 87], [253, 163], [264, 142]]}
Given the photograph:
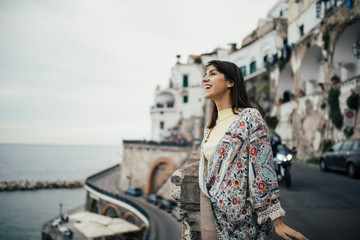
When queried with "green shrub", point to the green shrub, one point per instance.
{"points": [[326, 144], [353, 101], [282, 64], [335, 113], [272, 122], [323, 106], [313, 160]]}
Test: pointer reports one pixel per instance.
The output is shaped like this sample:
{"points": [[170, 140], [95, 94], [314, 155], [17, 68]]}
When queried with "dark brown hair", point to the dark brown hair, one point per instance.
{"points": [[238, 95]]}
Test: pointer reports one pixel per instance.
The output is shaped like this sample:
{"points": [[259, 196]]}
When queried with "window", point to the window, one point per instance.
{"points": [[243, 70], [185, 80], [185, 98], [162, 125], [337, 146], [301, 29], [356, 146], [347, 146], [266, 61], [252, 67], [281, 13]]}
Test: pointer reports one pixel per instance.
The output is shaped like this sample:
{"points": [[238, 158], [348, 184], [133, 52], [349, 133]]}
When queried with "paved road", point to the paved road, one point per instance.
{"points": [[322, 205], [163, 225]]}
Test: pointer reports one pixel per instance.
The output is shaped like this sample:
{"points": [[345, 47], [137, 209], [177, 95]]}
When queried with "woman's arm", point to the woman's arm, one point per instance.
{"points": [[285, 232]]}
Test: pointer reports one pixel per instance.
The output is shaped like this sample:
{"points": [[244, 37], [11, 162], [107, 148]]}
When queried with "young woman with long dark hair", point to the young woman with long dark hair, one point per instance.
{"points": [[236, 172]]}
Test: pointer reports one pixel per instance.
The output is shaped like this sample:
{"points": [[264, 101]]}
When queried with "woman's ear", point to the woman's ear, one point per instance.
{"points": [[230, 84]]}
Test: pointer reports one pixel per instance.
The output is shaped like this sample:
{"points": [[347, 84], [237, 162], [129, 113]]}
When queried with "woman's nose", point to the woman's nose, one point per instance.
{"points": [[205, 79]]}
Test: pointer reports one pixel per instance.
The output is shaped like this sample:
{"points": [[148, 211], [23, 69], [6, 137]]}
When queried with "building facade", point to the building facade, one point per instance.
{"points": [[178, 111]]}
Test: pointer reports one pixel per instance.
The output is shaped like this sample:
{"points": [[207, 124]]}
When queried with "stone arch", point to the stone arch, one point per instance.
{"points": [[344, 63], [94, 206], [286, 83], [159, 172], [312, 70], [111, 210], [131, 218], [165, 99]]}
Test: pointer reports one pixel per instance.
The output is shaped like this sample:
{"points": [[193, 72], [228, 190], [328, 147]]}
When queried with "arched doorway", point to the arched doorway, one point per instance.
{"points": [[286, 83], [110, 210], [346, 65], [159, 172], [131, 218], [312, 71]]}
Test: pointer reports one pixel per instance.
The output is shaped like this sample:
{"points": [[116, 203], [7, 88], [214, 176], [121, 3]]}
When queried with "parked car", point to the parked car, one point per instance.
{"points": [[134, 191], [343, 156], [176, 213], [167, 205], [154, 199]]}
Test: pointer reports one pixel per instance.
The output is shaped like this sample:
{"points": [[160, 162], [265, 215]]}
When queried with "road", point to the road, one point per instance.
{"points": [[163, 225], [322, 205]]}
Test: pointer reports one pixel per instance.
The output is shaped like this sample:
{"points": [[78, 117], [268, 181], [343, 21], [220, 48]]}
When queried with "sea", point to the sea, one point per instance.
{"points": [[23, 213]]}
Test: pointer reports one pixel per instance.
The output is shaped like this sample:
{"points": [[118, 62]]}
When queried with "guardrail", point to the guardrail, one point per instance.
{"points": [[101, 173], [117, 196], [153, 143], [109, 194]]}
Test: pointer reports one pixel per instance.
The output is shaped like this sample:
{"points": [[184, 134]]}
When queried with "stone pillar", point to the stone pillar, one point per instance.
{"points": [[185, 189]]}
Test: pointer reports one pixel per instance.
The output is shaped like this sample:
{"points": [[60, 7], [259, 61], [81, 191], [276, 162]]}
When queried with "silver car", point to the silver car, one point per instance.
{"points": [[343, 156]]}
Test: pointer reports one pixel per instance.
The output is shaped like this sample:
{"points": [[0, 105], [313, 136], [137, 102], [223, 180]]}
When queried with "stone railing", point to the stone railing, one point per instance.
{"points": [[185, 190]]}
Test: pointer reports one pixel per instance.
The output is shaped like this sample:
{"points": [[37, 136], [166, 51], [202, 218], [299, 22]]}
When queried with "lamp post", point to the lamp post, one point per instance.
{"points": [[60, 209]]}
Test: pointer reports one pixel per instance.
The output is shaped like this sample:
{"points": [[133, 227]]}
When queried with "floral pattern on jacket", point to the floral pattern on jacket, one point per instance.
{"points": [[241, 182]]}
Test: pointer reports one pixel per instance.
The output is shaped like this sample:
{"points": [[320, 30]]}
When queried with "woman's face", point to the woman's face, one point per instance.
{"points": [[215, 85]]}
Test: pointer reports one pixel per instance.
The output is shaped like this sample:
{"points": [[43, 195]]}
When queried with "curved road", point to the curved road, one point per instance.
{"points": [[163, 225]]}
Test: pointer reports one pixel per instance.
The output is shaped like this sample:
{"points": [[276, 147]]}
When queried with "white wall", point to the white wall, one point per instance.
{"points": [[306, 18], [274, 12], [192, 108], [269, 45]]}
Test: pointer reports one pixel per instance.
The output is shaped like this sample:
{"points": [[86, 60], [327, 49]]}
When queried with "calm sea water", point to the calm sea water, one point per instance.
{"points": [[22, 213]]}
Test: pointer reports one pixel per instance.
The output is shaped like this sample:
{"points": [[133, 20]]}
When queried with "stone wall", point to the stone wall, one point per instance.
{"points": [[144, 163], [304, 124], [185, 189]]}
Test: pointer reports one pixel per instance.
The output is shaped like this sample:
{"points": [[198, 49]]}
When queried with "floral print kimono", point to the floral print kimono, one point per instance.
{"points": [[240, 180]]}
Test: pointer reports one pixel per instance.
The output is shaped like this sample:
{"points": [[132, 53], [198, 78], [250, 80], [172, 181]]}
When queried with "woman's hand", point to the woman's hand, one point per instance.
{"points": [[285, 232]]}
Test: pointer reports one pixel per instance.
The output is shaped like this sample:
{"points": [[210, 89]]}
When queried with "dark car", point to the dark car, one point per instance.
{"points": [[154, 199], [134, 191], [167, 205], [343, 156]]}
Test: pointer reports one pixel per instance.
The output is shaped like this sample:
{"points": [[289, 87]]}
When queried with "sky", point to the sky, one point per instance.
{"points": [[85, 71]]}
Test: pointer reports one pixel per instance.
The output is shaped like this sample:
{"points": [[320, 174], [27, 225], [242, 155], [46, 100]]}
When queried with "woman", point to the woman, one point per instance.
{"points": [[236, 171]]}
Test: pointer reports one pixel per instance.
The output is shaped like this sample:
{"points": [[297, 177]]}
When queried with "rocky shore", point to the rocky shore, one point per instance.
{"points": [[34, 185]]}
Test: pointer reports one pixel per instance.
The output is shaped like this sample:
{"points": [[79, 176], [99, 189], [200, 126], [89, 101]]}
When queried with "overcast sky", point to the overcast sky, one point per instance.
{"points": [[84, 71]]}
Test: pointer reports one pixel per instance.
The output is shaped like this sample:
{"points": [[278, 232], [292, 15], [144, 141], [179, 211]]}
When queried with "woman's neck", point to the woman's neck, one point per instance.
{"points": [[221, 105]]}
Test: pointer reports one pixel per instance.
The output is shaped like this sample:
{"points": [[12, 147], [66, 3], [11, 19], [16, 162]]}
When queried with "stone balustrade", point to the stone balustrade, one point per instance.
{"points": [[185, 190]]}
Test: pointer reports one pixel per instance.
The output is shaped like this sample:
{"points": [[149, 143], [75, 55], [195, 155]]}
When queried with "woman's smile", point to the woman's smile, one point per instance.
{"points": [[215, 85]]}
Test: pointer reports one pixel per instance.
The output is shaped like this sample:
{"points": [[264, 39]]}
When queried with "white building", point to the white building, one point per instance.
{"points": [[178, 111]]}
